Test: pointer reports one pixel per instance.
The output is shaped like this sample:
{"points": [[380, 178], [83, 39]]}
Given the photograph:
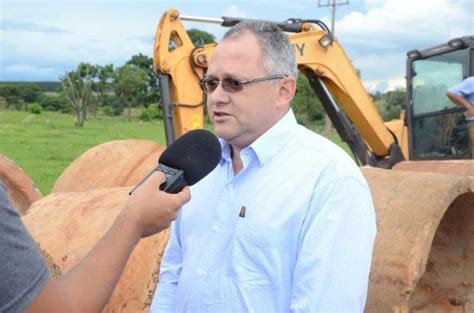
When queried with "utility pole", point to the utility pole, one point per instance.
{"points": [[332, 4]]}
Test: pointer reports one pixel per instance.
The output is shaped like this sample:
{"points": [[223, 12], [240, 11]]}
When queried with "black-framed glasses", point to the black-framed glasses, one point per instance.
{"points": [[232, 85]]}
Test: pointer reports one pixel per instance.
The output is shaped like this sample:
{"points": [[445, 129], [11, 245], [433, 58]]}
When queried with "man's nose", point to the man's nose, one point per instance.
{"points": [[218, 95]]}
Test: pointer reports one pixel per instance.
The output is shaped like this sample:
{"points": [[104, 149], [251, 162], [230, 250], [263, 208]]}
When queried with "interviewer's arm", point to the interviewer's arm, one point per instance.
{"points": [[88, 286]]}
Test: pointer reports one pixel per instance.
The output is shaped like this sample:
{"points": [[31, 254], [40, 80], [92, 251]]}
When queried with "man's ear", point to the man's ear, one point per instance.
{"points": [[287, 90]]}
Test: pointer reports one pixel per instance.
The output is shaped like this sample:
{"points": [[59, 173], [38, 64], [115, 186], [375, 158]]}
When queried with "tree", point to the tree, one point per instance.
{"points": [[103, 86], [76, 86], [305, 104], [129, 82], [199, 37], [390, 104], [395, 103], [150, 93], [20, 94]]}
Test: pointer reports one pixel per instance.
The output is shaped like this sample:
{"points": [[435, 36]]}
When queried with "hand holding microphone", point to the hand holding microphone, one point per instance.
{"points": [[187, 160], [183, 163], [150, 210]]}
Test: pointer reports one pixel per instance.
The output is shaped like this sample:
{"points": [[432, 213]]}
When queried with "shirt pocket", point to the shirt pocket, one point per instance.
{"points": [[258, 253]]}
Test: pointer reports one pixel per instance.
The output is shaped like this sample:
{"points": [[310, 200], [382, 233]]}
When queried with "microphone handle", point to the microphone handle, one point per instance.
{"points": [[174, 183]]}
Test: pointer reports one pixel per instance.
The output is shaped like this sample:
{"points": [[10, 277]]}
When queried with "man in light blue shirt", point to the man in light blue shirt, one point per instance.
{"points": [[463, 96], [285, 223]]}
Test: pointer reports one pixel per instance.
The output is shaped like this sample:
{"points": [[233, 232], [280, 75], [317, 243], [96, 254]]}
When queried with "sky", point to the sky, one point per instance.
{"points": [[41, 40]]}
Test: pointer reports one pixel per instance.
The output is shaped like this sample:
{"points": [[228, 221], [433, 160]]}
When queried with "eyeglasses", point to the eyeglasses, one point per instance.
{"points": [[232, 85]]}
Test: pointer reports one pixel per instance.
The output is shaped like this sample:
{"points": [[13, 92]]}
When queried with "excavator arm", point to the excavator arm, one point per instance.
{"points": [[320, 58]]}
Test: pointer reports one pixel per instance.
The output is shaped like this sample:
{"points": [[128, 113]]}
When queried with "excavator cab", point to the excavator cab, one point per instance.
{"points": [[436, 126]]}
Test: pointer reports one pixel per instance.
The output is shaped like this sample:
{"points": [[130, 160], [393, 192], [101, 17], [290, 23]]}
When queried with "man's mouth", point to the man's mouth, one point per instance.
{"points": [[220, 114]]}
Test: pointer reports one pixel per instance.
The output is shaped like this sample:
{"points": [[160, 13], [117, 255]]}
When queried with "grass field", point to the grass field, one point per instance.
{"points": [[44, 145]]}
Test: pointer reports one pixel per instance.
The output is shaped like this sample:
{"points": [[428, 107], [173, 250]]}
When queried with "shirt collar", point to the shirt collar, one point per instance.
{"points": [[268, 144]]}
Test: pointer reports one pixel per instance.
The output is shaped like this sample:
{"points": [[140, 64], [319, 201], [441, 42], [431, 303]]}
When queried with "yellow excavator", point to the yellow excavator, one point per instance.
{"points": [[433, 128], [415, 244], [418, 169]]}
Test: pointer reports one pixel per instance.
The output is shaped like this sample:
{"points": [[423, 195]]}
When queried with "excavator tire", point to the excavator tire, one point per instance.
{"points": [[75, 223], [424, 250], [21, 190], [112, 164]]}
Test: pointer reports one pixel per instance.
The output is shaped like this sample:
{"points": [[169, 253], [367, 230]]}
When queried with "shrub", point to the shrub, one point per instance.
{"points": [[150, 113], [35, 108], [54, 103], [108, 110]]}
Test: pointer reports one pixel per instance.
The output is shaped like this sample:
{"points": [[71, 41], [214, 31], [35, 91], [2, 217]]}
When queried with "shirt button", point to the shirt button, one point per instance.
{"points": [[230, 187], [201, 273], [215, 228]]}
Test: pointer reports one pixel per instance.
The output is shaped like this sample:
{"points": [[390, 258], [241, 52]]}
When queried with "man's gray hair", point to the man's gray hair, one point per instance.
{"points": [[277, 53]]}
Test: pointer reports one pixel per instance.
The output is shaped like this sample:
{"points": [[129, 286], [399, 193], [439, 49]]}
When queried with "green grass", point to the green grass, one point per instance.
{"points": [[44, 145]]}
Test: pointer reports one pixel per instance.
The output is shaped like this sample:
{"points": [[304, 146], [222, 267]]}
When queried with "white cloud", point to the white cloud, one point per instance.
{"points": [[384, 85], [28, 26], [378, 38], [21, 69], [57, 35], [235, 11]]}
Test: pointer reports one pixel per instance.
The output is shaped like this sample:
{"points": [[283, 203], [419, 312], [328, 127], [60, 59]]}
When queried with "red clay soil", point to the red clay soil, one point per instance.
{"points": [[75, 223], [22, 192], [112, 164]]}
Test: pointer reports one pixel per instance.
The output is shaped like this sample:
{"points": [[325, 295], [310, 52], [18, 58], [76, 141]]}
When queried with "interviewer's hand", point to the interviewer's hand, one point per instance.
{"points": [[152, 209]]}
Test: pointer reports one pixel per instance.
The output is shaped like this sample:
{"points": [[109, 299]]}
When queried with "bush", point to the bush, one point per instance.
{"points": [[35, 108], [150, 113], [17, 94], [54, 103], [108, 110], [117, 105]]}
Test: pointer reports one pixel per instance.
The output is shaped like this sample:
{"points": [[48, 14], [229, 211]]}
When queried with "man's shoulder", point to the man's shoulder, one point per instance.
{"points": [[321, 152]]}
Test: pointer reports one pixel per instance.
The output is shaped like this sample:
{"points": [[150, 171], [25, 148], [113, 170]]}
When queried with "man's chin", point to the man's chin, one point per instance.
{"points": [[223, 132]]}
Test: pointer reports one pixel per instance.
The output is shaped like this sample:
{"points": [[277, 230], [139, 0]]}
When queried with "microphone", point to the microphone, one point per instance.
{"points": [[187, 160]]}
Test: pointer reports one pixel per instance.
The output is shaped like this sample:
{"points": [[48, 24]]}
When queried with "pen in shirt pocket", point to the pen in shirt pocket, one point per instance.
{"points": [[242, 212]]}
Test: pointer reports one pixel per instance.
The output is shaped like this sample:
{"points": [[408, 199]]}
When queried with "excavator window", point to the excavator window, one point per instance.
{"points": [[439, 128]]}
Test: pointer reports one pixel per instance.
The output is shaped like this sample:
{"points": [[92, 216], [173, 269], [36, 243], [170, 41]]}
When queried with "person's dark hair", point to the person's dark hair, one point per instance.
{"points": [[277, 53]]}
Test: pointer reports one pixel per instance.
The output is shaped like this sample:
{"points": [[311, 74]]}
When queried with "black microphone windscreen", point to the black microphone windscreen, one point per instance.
{"points": [[197, 153]]}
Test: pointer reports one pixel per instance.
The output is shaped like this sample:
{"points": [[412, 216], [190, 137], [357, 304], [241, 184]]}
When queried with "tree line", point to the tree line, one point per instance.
{"points": [[114, 90]]}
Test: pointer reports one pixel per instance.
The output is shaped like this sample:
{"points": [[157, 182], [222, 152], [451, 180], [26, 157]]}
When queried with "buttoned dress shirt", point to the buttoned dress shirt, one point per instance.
{"points": [[304, 243]]}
